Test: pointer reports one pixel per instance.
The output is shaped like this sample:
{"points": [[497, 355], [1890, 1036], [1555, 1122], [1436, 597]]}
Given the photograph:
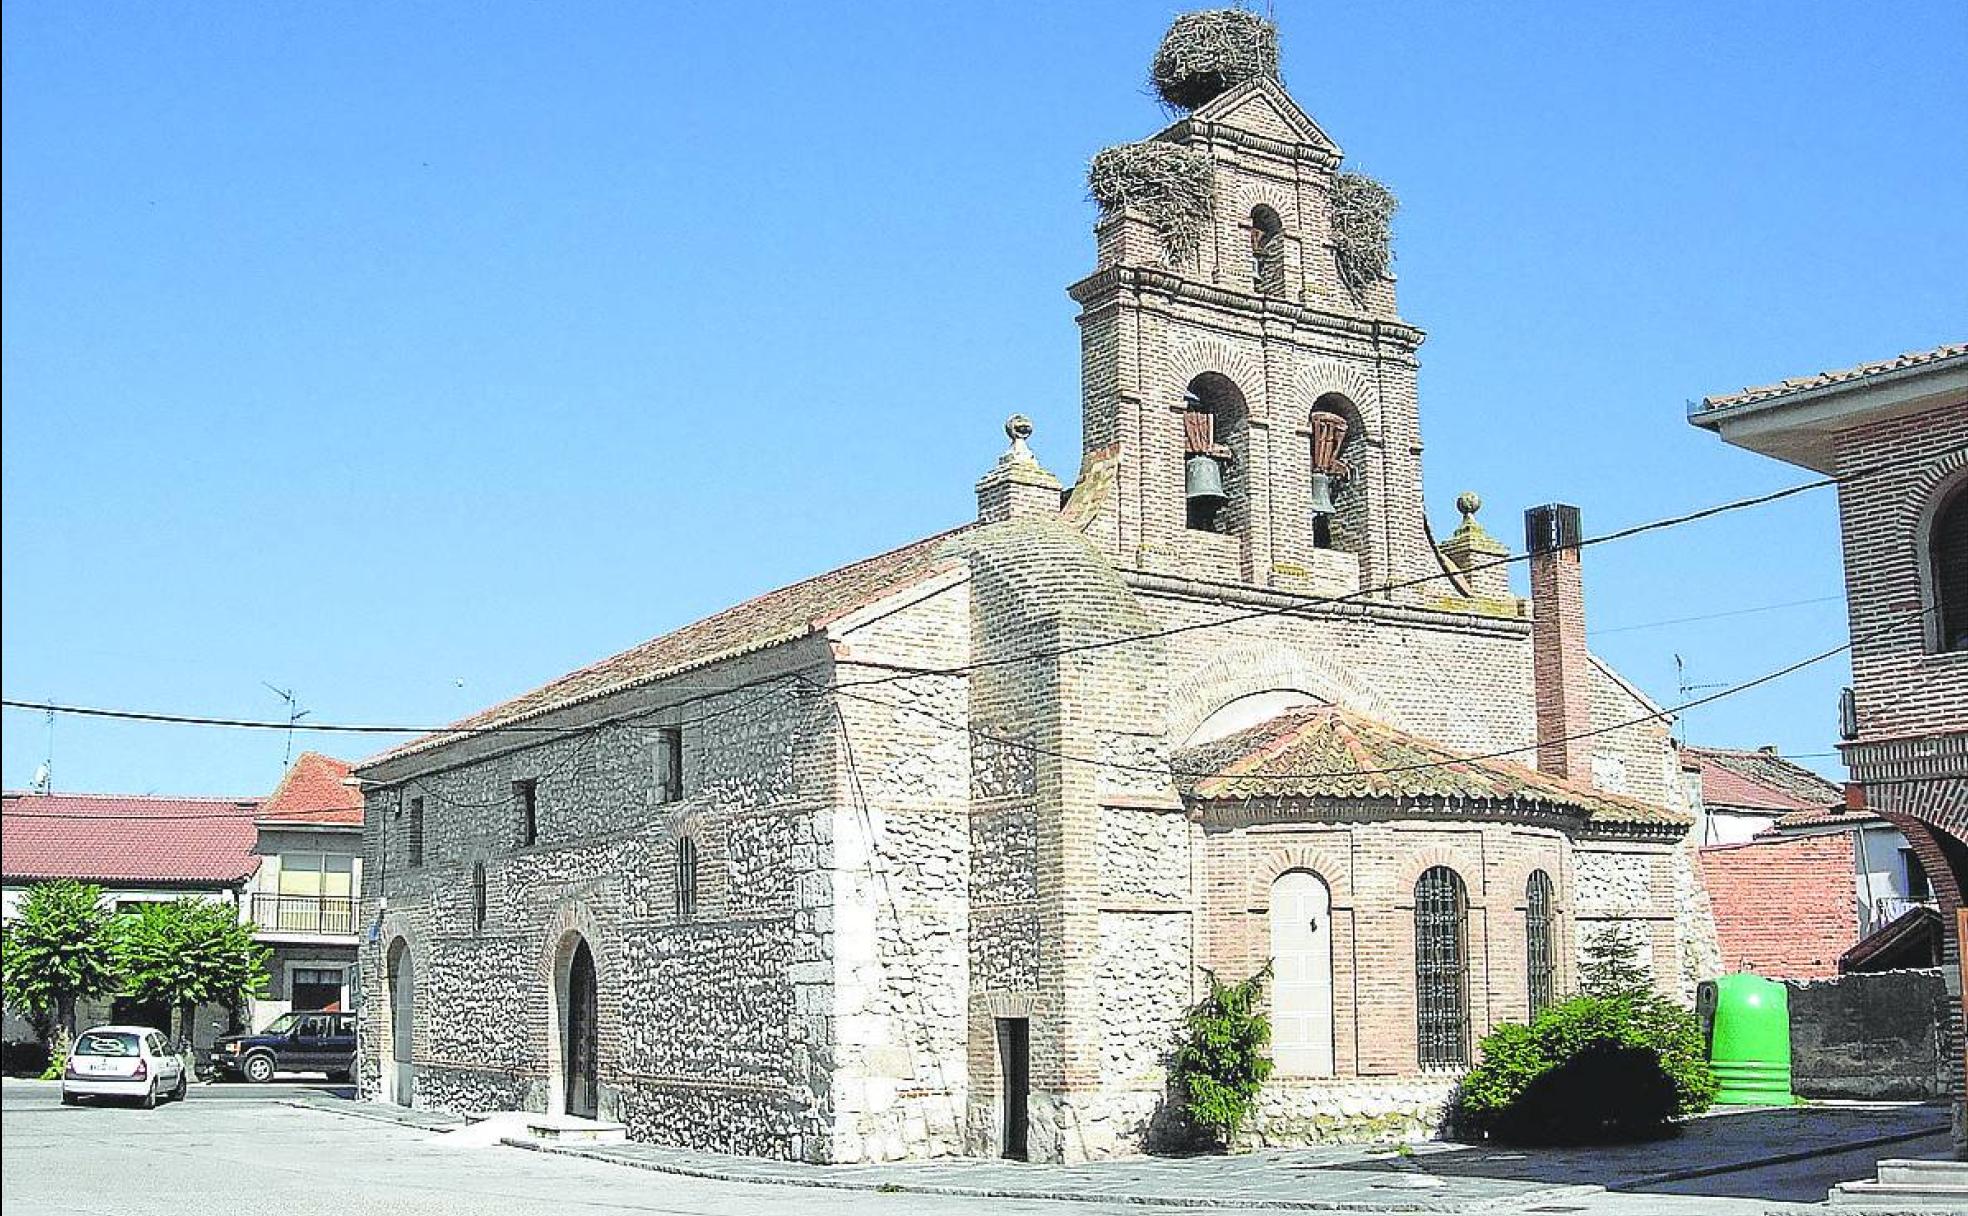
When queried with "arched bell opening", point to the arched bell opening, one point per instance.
{"points": [[1336, 497], [1216, 455]]}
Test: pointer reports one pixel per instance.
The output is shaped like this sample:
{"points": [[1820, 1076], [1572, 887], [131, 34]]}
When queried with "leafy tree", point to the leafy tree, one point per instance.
{"points": [[59, 949], [1223, 1062], [187, 952]]}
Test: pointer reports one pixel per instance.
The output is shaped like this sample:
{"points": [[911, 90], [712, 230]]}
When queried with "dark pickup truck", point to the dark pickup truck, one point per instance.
{"points": [[293, 1042]]}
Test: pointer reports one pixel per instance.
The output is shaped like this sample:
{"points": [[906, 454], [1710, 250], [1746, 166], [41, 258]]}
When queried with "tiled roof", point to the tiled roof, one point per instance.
{"points": [[127, 839], [1783, 907], [312, 792], [1760, 781], [768, 620], [1911, 359], [1327, 752], [1828, 817]]}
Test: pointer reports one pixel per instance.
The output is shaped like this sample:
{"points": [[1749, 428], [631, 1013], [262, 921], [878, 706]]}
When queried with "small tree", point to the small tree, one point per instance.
{"points": [[1611, 965], [187, 952], [59, 949], [1223, 1061]]}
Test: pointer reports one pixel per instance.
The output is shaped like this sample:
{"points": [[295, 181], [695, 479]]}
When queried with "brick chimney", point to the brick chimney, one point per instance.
{"points": [[1561, 677]]}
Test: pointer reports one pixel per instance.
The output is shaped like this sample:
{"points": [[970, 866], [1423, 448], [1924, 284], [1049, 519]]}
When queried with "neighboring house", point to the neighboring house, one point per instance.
{"points": [[929, 855], [304, 896], [1783, 907], [1895, 434], [289, 864], [1758, 795], [139, 849]]}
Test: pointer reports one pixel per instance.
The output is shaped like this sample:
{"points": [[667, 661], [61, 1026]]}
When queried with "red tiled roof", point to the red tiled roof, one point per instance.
{"points": [[127, 839], [767, 620], [1784, 907], [312, 792], [1323, 751], [1760, 781], [1798, 384]]}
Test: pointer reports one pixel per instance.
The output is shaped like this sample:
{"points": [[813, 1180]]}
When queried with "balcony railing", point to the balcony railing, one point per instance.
{"points": [[1889, 908], [305, 913]]}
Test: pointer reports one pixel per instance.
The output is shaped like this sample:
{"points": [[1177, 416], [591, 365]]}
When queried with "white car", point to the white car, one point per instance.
{"points": [[122, 1062]]}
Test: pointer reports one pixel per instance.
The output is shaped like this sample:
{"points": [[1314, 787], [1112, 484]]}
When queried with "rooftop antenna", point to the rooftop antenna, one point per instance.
{"points": [[1682, 688], [45, 775], [294, 714]]}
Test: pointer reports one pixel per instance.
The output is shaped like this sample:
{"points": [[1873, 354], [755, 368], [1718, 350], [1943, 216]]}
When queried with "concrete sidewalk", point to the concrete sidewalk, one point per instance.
{"points": [[1435, 1178]]}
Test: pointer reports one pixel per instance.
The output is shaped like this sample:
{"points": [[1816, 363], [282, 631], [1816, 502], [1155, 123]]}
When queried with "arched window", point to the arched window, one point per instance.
{"points": [[1441, 969], [478, 896], [1301, 975], [1267, 237], [1947, 555], [686, 878], [1540, 958], [1339, 514], [1216, 450]]}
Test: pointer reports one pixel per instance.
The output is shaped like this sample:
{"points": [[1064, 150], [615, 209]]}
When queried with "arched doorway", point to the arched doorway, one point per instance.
{"points": [[1301, 985], [579, 1047], [402, 1078]]}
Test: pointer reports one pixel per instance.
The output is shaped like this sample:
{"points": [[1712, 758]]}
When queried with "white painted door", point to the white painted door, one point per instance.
{"points": [[1301, 985]]}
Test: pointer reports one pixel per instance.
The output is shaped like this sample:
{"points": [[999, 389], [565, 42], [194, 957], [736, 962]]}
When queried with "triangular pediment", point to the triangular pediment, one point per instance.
{"points": [[1262, 107]]}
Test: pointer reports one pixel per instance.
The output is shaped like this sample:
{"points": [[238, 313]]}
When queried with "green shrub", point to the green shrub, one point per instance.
{"points": [[1589, 1069], [1222, 1062]]}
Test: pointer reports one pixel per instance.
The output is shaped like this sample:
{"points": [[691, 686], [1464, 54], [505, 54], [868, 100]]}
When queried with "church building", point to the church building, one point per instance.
{"points": [[929, 855]]}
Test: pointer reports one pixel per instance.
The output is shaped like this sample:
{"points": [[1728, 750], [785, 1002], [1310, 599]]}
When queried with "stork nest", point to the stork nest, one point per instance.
{"points": [[1362, 210], [1173, 187], [1210, 52]]}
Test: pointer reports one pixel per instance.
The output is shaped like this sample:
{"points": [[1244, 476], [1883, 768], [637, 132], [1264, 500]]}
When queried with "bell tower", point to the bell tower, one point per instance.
{"points": [[1245, 374]]}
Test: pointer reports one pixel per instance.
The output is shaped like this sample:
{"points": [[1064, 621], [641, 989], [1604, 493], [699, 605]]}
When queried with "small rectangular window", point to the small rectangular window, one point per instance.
{"points": [[669, 764], [416, 831], [526, 798], [1918, 885]]}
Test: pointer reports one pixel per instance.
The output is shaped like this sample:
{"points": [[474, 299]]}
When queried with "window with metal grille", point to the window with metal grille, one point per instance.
{"points": [[526, 799], [416, 831], [686, 878], [1540, 967], [1441, 969], [478, 896]]}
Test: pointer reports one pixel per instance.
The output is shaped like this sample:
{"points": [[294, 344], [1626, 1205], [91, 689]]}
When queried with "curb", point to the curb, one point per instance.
{"points": [[428, 1121]]}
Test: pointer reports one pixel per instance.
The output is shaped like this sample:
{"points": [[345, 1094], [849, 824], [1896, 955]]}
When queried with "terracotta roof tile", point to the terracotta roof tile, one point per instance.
{"points": [[312, 792], [1327, 752], [1760, 781], [768, 620], [127, 839], [1783, 907], [1796, 384]]}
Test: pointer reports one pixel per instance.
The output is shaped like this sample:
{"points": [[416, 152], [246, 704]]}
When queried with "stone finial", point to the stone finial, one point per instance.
{"points": [[1469, 502], [1019, 486], [1478, 555]]}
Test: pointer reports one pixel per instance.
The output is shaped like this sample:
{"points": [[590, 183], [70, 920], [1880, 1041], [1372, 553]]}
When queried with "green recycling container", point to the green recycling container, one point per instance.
{"points": [[1747, 1021]]}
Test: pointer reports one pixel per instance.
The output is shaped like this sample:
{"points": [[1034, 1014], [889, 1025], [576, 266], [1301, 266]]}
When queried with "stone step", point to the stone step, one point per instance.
{"points": [[1899, 1196], [1926, 1172], [566, 1129]]}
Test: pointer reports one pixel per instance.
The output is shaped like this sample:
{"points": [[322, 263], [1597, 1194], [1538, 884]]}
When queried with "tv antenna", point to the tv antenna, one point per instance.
{"points": [[45, 775], [1683, 687], [294, 714]]}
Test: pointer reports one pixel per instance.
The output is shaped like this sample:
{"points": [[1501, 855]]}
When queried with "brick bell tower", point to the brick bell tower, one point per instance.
{"points": [[1246, 377]]}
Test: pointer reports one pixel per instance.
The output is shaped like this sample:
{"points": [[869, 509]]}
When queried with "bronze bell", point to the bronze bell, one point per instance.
{"points": [[1322, 503], [1203, 477]]}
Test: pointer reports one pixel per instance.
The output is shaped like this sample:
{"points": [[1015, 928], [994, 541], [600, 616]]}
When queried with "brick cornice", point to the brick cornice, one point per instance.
{"points": [[1297, 605], [1092, 292], [1223, 134]]}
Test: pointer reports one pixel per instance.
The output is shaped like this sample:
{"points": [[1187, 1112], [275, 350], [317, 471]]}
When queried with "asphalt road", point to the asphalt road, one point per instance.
{"points": [[243, 1148]]}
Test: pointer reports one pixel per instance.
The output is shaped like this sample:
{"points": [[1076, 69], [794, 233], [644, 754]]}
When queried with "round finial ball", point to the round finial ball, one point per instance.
{"points": [[1469, 502], [1018, 427], [1211, 52]]}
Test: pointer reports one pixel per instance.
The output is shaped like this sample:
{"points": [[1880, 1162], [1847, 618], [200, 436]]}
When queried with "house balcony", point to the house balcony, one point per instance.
{"points": [[1888, 908], [305, 916]]}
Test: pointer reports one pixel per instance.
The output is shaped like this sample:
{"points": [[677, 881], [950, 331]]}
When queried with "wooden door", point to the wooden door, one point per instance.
{"points": [[582, 1034]]}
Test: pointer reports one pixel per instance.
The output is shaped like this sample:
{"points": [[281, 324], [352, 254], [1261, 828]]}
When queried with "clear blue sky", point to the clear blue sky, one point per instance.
{"points": [[411, 355]]}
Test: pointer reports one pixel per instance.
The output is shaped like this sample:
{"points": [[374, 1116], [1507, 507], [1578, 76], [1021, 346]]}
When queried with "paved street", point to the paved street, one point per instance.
{"points": [[247, 1148]]}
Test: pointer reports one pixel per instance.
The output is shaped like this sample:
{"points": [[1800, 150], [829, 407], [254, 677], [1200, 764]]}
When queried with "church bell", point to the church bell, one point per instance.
{"points": [[1322, 503], [1203, 476]]}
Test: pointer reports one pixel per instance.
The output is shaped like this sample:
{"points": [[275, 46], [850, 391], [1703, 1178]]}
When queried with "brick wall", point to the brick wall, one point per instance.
{"points": [[1783, 908]]}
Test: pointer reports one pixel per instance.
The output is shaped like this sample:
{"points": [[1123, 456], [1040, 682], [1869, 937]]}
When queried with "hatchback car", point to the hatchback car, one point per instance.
{"points": [[122, 1062], [292, 1042]]}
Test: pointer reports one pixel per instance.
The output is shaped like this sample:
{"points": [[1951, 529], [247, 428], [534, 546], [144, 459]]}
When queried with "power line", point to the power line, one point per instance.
{"points": [[1713, 616]]}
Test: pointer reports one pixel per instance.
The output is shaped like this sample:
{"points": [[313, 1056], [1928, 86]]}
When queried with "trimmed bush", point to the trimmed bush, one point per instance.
{"points": [[1589, 1069], [1224, 1058]]}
